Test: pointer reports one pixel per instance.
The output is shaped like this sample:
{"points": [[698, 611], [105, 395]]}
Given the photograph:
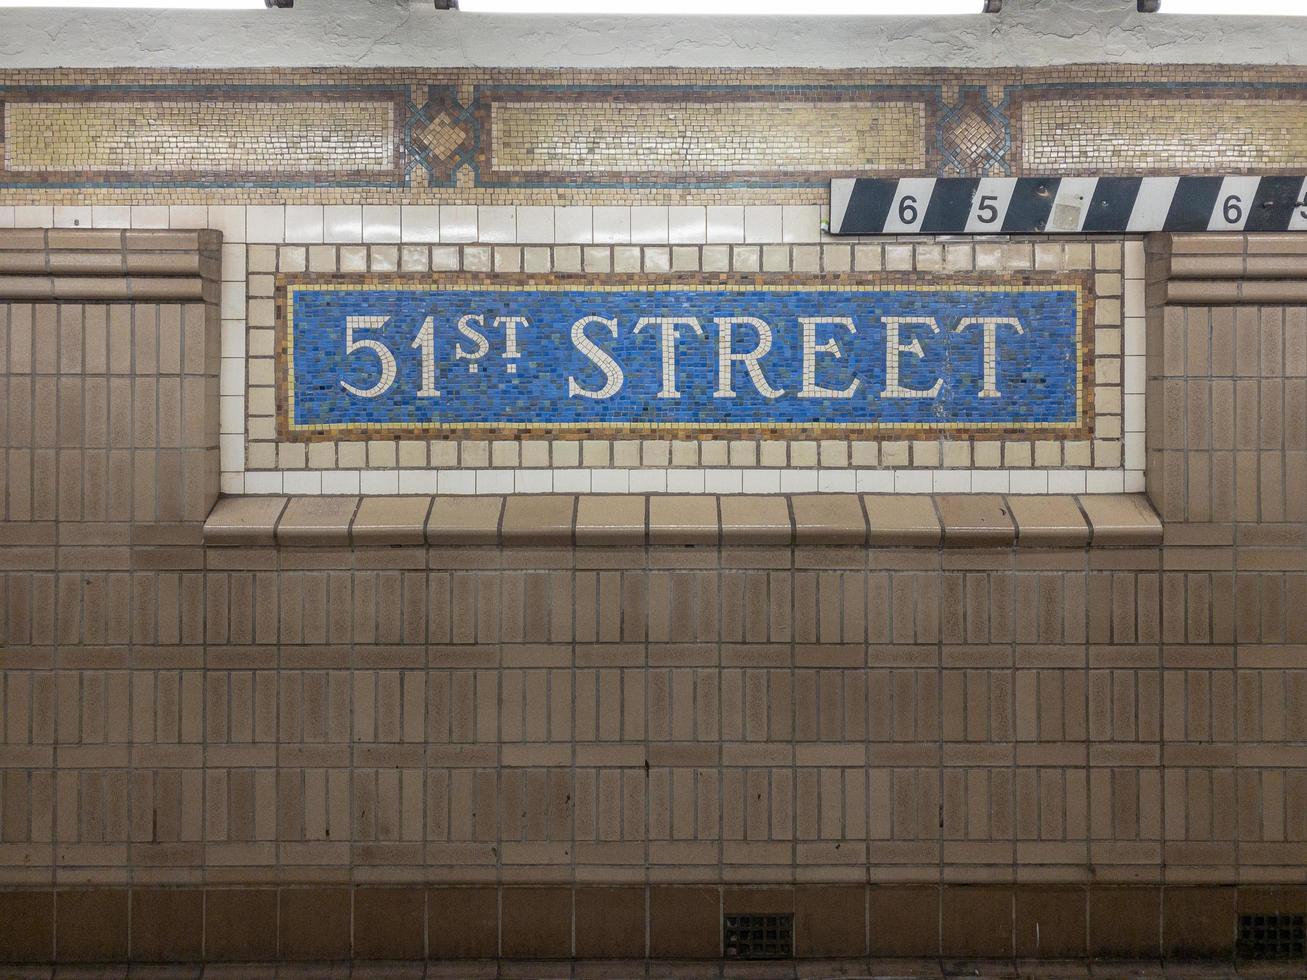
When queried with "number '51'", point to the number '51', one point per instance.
{"points": [[425, 339]]}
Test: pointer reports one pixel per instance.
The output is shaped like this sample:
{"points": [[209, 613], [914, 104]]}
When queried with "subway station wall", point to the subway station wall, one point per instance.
{"points": [[687, 175], [493, 748]]}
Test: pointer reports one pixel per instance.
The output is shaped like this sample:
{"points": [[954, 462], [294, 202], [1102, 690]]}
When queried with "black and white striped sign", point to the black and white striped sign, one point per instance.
{"points": [[1065, 205]]}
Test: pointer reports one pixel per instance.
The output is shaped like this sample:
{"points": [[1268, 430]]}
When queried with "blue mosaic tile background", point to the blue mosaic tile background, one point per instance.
{"points": [[1037, 370]]}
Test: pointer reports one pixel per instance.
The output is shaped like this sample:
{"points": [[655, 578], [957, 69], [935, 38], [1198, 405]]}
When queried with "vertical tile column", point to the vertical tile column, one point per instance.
{"points": [[1227, 466], [108, 439], [109, 375], [1227, 355]]}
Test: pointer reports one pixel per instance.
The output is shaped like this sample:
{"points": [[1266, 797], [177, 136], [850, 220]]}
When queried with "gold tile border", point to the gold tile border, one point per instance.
{"points": [[287, 283]]}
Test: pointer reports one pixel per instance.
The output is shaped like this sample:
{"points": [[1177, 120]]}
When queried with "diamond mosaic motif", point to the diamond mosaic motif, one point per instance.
{"points": [[442, 136], [974, 136]]}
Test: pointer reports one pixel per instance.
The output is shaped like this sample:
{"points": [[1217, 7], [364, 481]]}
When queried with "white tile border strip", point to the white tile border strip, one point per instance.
{"points": [[723, 480], [377, 225]]}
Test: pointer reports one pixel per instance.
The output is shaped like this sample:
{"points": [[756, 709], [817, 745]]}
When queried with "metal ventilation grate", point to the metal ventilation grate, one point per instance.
{"points": [[758, 937], [1276, 936]]}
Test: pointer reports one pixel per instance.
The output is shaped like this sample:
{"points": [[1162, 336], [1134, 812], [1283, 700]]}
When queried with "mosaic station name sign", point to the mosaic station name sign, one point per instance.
{"points": [[529, 355]]}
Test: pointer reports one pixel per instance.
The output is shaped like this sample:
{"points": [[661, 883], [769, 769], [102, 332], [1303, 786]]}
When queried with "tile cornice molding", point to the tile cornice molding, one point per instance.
{"points": [[107, 265]]}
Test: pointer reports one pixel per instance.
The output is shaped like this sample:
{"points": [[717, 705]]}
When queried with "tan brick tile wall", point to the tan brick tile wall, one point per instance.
{"points": [[938, 729], [109, 414], [328, 721]]}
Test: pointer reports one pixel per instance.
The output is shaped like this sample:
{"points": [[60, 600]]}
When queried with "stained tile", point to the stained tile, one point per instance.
{"points": [[537, 923], [538, 521], [28, 936], [316, 520], [1125, 922], [975, 520], [314, 923], [902, 520], [462, 923], [831, 519], [755, 520], [610, 519], [167, 924], [904, 920], [390, 521], [610, 923], [1121, 519], [240, 924], [684, 922], [91, 925], [244, 520], [682, 520], [389, 923], [470, 520], [1048, 521]]}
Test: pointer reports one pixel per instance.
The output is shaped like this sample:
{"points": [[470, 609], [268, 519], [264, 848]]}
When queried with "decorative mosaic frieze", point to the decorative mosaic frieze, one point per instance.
{"points": [[792, 356], [974, 136], [1163, 128], [691, 135], [281, 135], [441, 134], [497, 136]]}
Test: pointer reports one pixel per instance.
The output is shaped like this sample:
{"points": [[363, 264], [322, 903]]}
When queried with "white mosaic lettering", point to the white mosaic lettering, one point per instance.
{"points": [[599, 357], [678, 386], [511, 323], [667, 338], [726, 356], [426, 339], [387, 359], [810, 388], [894, 352], [472, 333], [989, 388]]}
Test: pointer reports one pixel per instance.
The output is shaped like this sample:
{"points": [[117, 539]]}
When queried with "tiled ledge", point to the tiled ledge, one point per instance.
{"points": [[105, 265], [563, 520], [1229, 269]]}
